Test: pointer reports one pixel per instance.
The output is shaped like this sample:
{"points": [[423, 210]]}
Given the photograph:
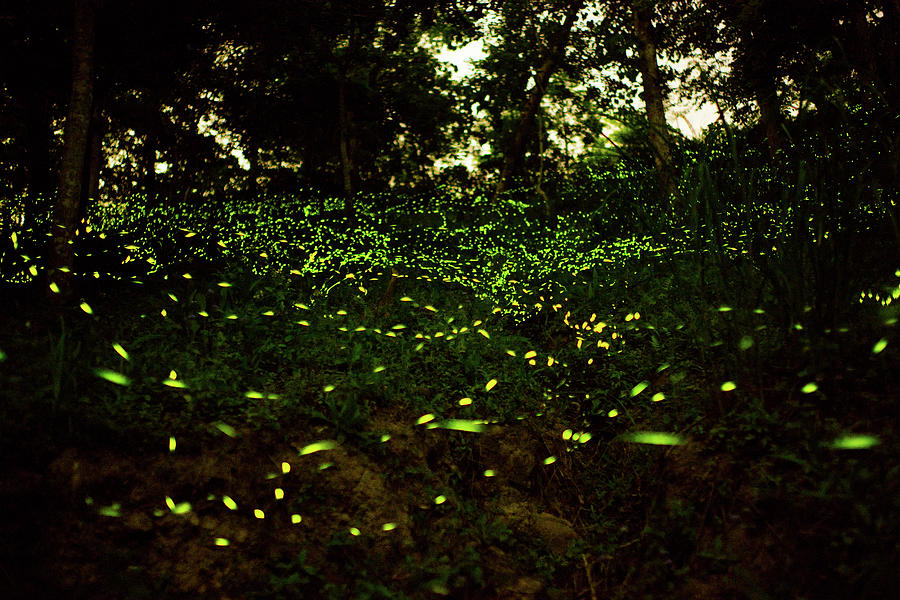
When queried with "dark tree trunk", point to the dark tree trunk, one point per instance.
{"points": [[60, 256], [346, 149], [653, 95], [551, 63], [770, 119]]}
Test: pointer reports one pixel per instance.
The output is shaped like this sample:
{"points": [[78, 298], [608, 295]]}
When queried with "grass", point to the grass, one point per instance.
{"points": [[470, 411]]}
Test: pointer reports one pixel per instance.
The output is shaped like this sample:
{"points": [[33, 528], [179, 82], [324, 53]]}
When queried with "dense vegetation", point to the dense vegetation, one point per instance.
{"points": [[451, 396], [256, 342]]}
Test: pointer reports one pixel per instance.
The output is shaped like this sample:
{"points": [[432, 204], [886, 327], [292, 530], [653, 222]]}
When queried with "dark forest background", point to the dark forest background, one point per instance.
{"points": [[120, 104]]}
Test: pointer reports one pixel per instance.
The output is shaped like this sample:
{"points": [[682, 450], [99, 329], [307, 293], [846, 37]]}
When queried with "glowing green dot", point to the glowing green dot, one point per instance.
{"points": [[855, 442]]}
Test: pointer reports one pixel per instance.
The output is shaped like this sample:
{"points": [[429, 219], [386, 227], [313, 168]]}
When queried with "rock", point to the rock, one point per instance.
{"points": [[556, 532]]}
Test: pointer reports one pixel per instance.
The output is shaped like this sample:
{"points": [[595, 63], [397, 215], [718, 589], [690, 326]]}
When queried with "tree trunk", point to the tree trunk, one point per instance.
{"points": [[653, 95], [551, 63], [60, 256], [545, 200], [770, 118], [346, 146]]}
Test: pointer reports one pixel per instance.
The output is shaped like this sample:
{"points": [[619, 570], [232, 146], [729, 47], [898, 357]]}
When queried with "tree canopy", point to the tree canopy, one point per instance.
{"points": [[192, 101]]}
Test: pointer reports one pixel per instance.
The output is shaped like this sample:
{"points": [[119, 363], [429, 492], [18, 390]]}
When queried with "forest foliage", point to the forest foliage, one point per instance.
{"points": [[602, 357]]}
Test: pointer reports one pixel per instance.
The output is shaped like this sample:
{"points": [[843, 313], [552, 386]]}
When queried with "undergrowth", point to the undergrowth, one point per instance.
{"points": [[717, 394]]}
